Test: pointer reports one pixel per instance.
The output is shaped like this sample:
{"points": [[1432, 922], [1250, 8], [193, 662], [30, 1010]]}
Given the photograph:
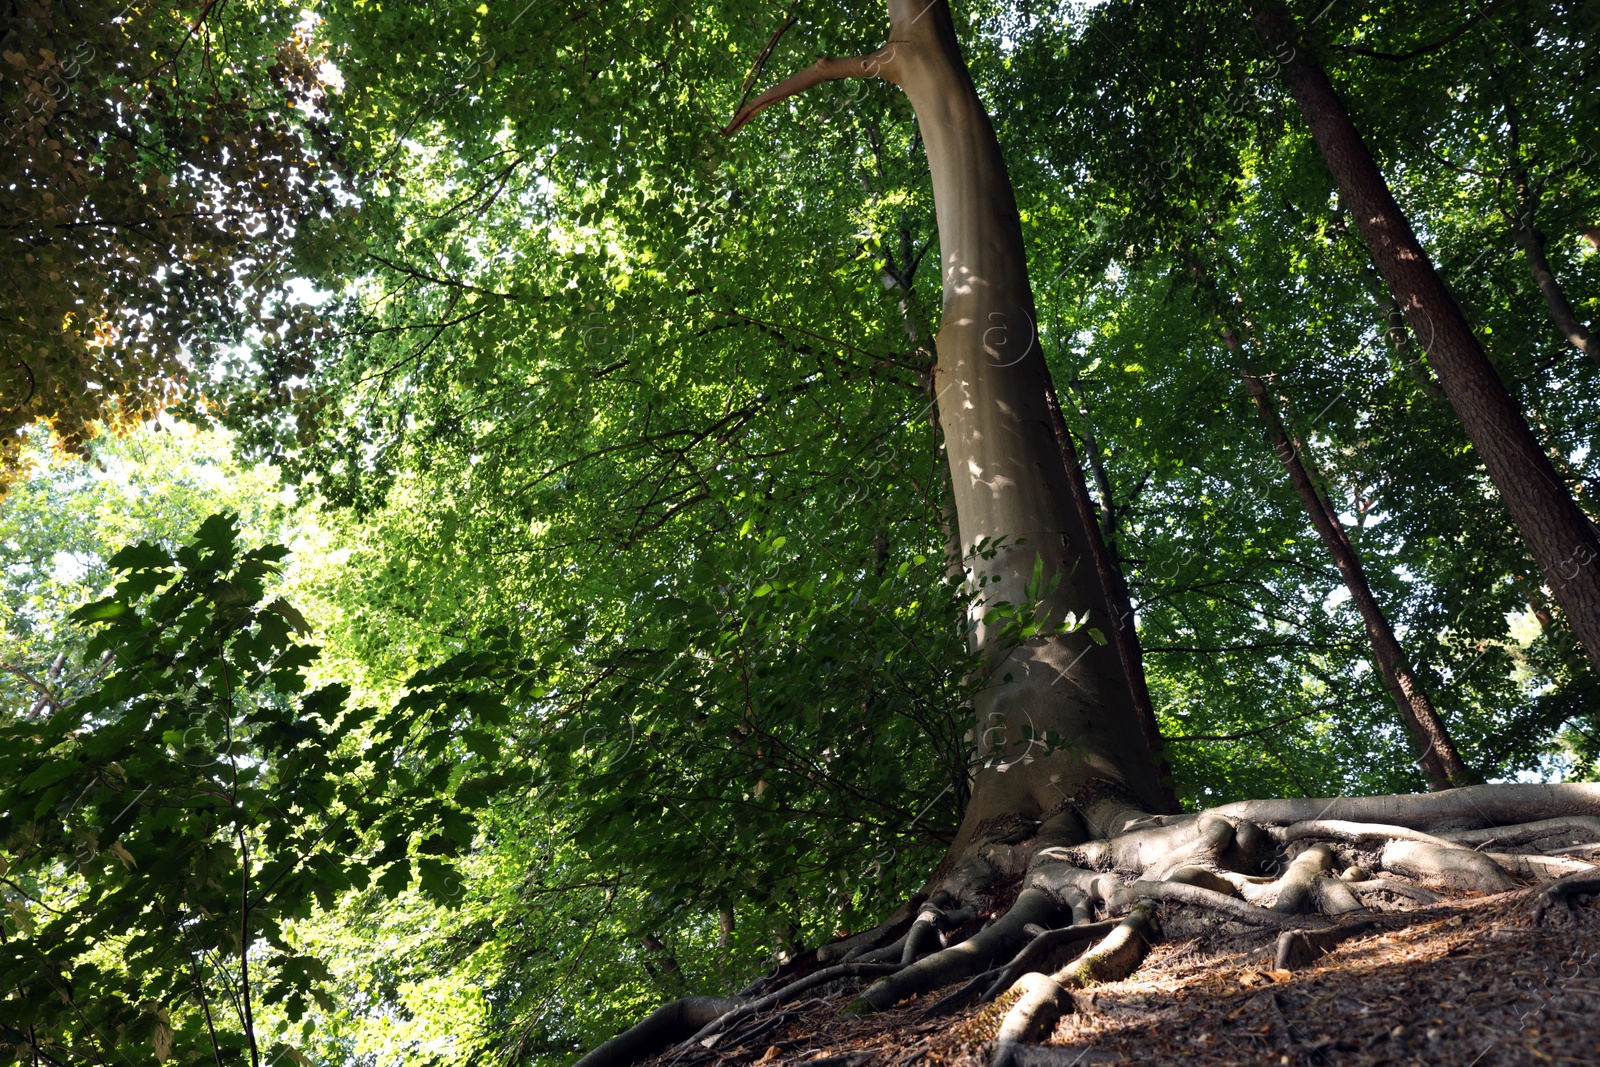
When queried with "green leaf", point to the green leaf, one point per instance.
{"points": [[101, 611], [289, 612], [439, 881], [142, 556], [47, 774]]}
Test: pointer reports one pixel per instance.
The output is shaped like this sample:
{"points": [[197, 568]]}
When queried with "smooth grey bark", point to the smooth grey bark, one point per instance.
{"points": [[1012, 491]]}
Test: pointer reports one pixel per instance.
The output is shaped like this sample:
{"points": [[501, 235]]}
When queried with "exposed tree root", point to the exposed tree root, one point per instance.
{"points": [[1467, 808], [1544, 834], [1232, 907], [1045, 997], [1424, 897], [1564, 889], [1356, 833], [739, 1011], [1448, 867], [1300, 948], [1297, 892], [666, 1025], [1275, 864], [850, 948], [1004, 938], [924, 935], [969, 993], [1540, 868], [1045, 953]]}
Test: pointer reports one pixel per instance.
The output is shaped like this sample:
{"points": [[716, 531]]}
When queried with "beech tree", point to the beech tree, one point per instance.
{"points": [[527, 402]]}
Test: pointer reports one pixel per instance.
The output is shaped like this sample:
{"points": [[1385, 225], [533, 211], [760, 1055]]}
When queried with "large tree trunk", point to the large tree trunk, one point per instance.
{"points": [[1114, 587], [1014, 501], [1560, 537], [1438, 757], [1011, 487]]}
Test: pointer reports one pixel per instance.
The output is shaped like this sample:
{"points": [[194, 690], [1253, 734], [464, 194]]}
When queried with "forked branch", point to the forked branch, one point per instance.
{"points": [[879, 64]]}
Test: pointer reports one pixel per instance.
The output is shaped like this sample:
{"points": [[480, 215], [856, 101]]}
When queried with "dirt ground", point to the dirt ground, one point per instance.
{"points": [[1469, 983]]}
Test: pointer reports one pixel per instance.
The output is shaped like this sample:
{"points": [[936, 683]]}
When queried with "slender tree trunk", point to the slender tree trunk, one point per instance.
{"points": [[1102, 485], [1439, 759], [1014, 500], [1527, 235], [1560, 537]]}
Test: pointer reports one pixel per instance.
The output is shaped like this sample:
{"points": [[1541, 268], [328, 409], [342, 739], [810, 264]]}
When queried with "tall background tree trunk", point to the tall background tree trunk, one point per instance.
{"points": [[1560, 537], [1438, 756], [1532, 242]]}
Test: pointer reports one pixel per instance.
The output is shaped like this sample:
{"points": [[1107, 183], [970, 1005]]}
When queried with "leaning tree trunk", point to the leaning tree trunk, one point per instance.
{"points": [[1557, 533], [1531, 239], [1074, 827], [1439, 759], [1014, 502]]}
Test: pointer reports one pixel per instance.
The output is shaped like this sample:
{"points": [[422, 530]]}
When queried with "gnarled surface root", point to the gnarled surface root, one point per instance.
{"points": [[790, 991], [978, 953], [1543, 834], [846, 949], [1446, 866], [1297, 893], [1539, 868], [1301, 948], [1564, 889], [663, 1027], [1467, 808], [1046, 953], [1046, 997], [1232, 907], [1376, 886]]}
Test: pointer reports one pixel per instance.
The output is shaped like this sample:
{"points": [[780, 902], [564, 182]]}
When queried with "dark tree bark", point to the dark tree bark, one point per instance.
{"points": [[1438, 756], [1560, 537]]}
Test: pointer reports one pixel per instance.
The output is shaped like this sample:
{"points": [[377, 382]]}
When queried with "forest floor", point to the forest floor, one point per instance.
{"points": [[1471, 982]]}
